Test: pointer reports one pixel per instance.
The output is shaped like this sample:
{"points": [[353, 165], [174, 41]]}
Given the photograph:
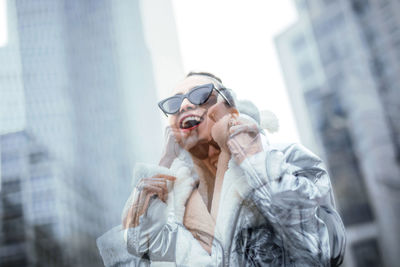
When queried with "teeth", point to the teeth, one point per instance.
{"points": [[196, 118]]}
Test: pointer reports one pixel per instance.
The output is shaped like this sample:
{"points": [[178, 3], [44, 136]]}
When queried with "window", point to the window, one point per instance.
{"points": [[329, 53], [306, 70], [328, 116], [298, 43], [325, 26], [301, 5], [328, 2], [36, 157], [367, 253], [360, 6]]}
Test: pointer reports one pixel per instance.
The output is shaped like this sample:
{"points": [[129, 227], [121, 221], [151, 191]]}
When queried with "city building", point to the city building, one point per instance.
{"points": [[339, 62], [29, 206], [82, 83]]}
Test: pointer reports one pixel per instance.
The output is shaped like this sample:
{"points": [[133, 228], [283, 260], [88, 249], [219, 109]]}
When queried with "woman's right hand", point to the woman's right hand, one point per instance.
{"points": [[142, 193], [171, 148]]}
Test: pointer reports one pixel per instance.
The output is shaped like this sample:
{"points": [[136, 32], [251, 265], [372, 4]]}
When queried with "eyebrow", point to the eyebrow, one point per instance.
{"points": [[193, 88], [189, 90]]}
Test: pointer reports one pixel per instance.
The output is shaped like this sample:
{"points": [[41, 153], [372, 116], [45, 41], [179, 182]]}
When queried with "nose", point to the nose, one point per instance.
{"points": [[186, 105]]}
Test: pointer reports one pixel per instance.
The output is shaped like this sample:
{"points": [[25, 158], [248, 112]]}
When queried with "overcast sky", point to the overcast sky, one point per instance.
{"points": [[234, 39]]}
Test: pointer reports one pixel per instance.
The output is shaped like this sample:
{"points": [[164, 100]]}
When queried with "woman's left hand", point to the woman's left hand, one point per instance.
{"points": [[220, 131], [244, 139], [237, 135]]}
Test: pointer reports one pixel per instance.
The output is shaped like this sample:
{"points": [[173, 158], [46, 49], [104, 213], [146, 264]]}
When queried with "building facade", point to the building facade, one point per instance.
{"points": [[338, 62], [86, 93], [29, 206]]}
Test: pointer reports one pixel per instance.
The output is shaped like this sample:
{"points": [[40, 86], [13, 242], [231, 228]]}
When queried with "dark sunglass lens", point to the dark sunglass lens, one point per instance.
{"points": [[200, 95], [172, 105]]}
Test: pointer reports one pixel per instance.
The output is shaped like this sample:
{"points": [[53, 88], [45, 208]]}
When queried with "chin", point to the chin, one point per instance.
{"points": [[188, 143], [197, 136]]}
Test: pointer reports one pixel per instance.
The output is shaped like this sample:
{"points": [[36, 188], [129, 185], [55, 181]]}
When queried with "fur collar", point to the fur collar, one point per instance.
{"points": [[234, 190]]}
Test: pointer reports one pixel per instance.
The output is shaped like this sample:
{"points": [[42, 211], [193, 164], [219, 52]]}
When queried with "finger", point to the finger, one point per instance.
{"points": [[160, 184], [132, 208], [237, 129], [243, 128], [146, 201], [250, 127], [151, 189], [136, 209], [164, 192], [169, 151], [140, 184], [141, 201], [168, 177], [158, 177], [127, 221], [244, 121], [154, 179]]}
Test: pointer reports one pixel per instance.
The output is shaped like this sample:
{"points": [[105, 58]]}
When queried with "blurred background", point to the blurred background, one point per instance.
{"points": [[80, 79]]}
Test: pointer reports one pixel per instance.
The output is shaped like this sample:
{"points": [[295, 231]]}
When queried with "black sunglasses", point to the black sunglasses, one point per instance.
{"points": [[198, 96]]}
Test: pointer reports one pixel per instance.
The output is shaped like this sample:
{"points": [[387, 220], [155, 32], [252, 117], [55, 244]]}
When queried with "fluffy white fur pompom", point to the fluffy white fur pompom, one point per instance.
{"points": [[269, 121]]}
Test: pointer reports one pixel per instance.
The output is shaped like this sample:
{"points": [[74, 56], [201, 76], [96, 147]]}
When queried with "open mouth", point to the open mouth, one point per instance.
{"points": [[190, 122]]}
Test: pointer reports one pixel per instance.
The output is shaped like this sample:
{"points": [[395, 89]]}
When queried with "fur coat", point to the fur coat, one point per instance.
{"points": [[276, 209]]}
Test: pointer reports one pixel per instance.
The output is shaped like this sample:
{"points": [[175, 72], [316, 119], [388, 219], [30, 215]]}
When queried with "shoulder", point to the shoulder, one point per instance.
{"points": [[296, 154]]}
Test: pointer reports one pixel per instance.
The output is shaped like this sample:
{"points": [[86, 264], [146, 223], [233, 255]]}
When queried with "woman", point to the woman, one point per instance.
{"points": [[227, 198]]}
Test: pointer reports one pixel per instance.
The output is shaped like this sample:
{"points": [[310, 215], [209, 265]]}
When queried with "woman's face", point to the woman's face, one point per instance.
{"points": [[191, 125]]}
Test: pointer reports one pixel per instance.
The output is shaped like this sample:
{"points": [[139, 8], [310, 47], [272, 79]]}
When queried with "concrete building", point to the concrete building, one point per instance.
{"points": [[339, 62], [29, 206], [11, 86], [87, 92]]}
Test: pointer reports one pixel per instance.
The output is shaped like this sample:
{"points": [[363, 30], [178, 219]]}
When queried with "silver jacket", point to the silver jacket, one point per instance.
{"points": [[276, 209]]}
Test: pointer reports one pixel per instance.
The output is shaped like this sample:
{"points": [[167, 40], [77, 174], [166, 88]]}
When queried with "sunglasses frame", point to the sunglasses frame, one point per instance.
{"points": [[183, 96]]}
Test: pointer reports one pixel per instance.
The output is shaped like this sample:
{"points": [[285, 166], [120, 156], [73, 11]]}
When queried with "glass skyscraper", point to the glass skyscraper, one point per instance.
{"points": [[339, 62], [79, 110]]}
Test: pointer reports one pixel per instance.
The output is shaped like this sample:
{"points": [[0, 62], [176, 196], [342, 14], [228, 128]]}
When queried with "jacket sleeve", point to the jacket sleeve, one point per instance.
{"points": [[152, 240], [155, 236], [292, 190], [112, 248]]}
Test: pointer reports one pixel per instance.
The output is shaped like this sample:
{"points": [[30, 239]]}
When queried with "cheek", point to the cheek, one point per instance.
{"points": [[174, 124], [174, 127], [172, 120]]}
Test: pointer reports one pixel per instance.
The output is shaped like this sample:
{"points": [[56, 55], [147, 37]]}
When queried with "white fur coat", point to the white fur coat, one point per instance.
{"points": [[275, 209]]}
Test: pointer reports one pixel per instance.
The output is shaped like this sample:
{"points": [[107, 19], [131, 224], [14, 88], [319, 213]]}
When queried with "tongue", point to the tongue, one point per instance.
{"points": [[191, 123]]}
